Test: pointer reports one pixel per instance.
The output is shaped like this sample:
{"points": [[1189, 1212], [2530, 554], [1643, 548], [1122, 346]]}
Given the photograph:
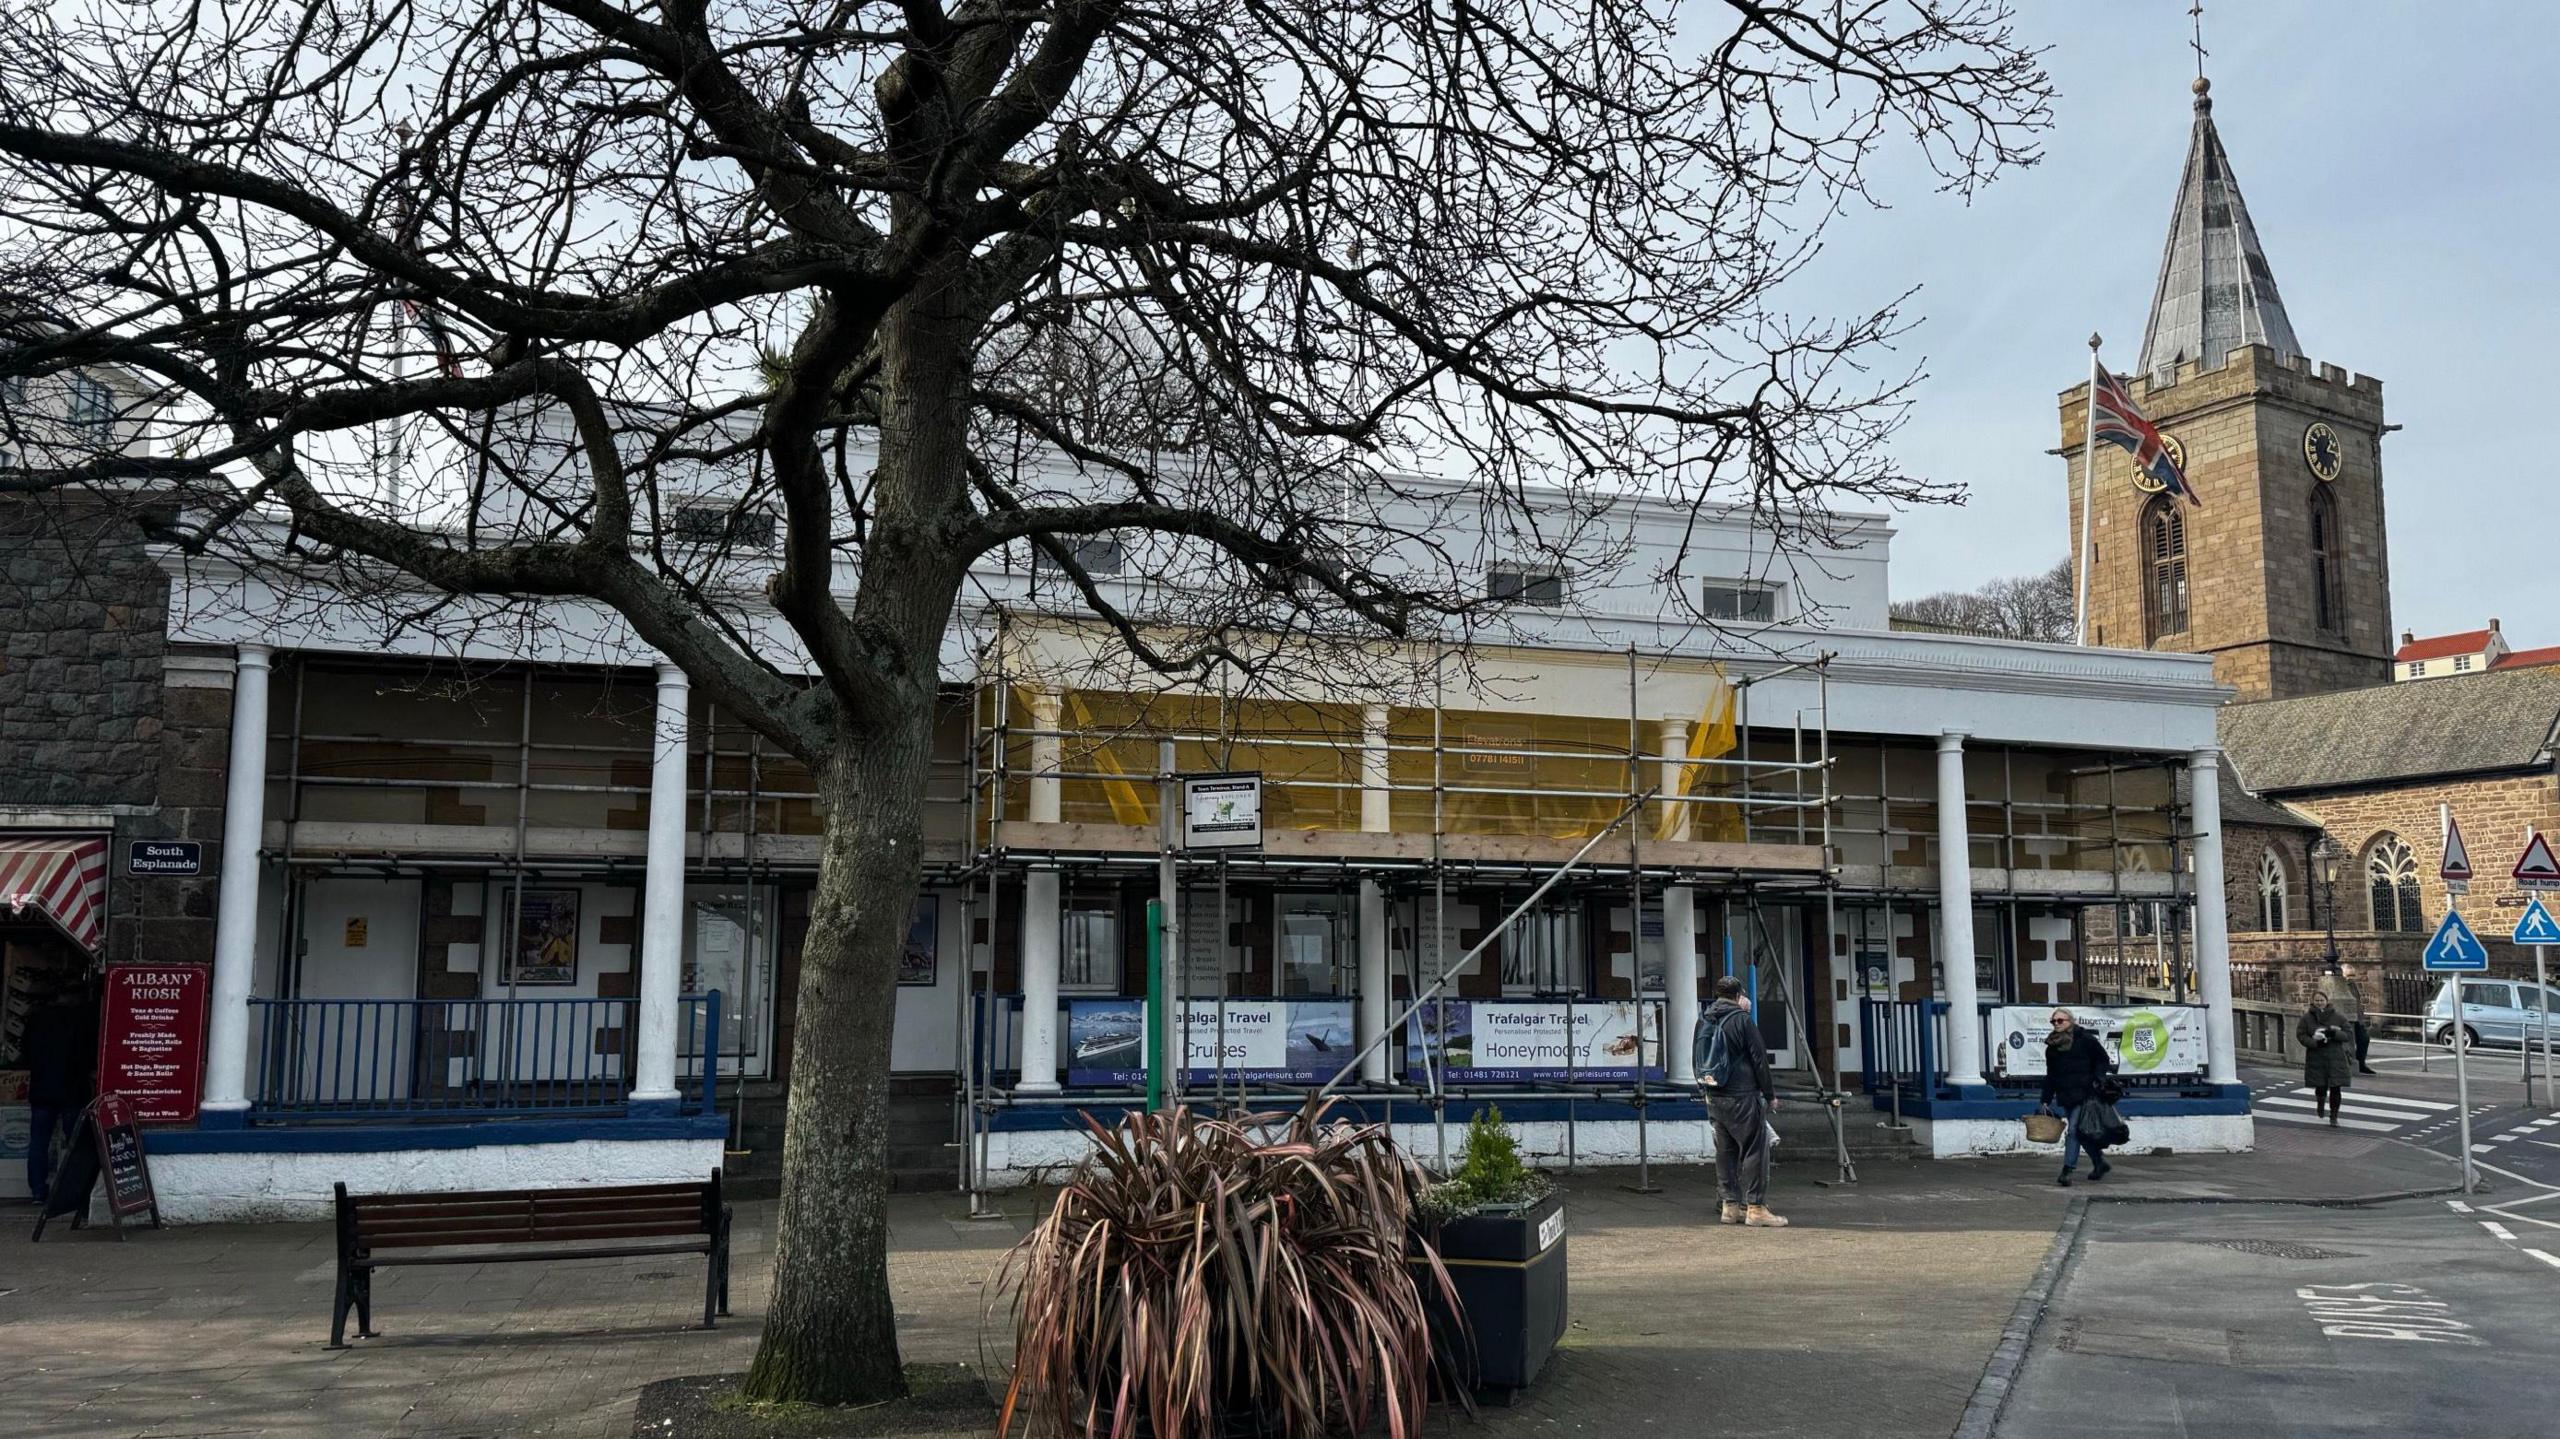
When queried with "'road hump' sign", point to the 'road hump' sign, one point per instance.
{"points": [[2457, 855], [2535, 925], [2455, 946], [2539, 869]]}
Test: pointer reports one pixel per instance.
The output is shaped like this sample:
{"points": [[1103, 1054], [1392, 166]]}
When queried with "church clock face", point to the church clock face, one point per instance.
{"points": [[2142, 479], [2321, 450]]}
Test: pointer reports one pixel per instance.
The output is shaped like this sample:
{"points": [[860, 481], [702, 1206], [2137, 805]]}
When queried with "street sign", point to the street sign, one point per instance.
{"points": [[176, 858], [2539, 868], [2456, 869], [2536, 925], [2455, 947]]}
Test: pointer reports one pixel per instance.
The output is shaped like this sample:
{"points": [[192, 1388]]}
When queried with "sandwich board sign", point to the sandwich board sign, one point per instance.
{"points": [[2535, 925], [2539, 868], [2456, 869], [2455, 947]]}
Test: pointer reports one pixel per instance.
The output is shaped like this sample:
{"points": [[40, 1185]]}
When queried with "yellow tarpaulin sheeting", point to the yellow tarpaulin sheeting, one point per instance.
{"points": [[1712, 737], [1127, 805]]}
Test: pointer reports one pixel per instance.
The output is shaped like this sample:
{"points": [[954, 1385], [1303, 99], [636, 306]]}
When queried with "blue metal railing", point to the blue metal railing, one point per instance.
{"points": [[1900, 1049], [358, 1059]]}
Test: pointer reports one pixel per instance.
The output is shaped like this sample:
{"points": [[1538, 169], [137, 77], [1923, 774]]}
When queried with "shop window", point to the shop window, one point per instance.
{"points": [[1089, 944], [1542, 952], [1317, 945]]}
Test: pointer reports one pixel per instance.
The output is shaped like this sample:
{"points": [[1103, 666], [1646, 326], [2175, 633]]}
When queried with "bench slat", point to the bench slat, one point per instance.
{"points": [[616, 1251], [523, 1234], [384, 1224]]}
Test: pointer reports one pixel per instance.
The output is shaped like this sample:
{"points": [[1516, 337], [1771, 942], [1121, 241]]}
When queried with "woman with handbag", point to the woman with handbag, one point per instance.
{"points": [[2328, 1054], [2074, 1065]]}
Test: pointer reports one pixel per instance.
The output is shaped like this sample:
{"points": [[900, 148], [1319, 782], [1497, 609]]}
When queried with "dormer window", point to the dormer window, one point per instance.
{"points": [[1097, 555], [1520, 585], [2461, 663], [92, 404], [1743, 600], [720, 524]]}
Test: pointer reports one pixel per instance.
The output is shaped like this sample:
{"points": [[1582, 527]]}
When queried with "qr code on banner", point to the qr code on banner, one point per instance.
{"points": [[2144, 1040]]}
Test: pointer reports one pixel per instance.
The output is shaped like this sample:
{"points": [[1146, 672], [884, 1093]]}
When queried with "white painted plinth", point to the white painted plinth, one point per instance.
{"points": [[248, 1187], [1021, 1157], [2176, 1133]]}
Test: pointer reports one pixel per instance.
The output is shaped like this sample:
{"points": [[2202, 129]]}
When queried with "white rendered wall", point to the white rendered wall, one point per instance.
{"points": [[235, 1187], [2175, 1133]]}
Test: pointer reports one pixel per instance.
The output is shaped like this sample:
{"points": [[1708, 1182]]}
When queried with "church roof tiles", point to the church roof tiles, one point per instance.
{"points": [[2466, 724]]}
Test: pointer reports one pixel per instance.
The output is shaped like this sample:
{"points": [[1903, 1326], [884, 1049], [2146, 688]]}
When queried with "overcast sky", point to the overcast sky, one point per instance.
{"points": [[2398, 163]]}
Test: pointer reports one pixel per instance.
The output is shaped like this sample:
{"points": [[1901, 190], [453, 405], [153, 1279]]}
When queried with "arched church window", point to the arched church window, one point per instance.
{"points": [[2164, 532], [2328, 563], [2274, 894], [2392, 872]]}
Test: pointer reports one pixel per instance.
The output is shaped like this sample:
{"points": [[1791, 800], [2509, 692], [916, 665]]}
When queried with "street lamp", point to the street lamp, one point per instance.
{"points": [[2325, 854]]}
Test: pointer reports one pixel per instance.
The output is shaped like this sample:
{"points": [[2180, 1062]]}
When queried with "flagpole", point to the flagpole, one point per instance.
{"points": [[2088, 496]]}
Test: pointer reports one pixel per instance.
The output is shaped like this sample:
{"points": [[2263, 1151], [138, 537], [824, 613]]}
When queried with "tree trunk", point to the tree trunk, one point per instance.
{"points": [[831, 1336]]}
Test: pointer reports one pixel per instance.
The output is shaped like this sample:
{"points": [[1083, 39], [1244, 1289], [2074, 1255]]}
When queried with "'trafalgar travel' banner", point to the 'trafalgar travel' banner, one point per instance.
{"points": [[1484, 1041], [2157, 1039], [1265, 1041]]}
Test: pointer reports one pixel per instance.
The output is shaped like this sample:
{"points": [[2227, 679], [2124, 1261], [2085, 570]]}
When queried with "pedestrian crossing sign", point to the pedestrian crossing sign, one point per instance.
{"points": [[2536, 925], [2455, 946]]}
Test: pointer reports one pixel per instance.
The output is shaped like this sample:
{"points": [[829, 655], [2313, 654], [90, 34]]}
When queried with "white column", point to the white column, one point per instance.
{"points": [[1377, 815], [1373, 978], [1679, 979], [1040, 973], [1675, 748], [1955, 915], [1046, 750], [2213, 930], [235, 915], [1040, 921], [662, 897]]}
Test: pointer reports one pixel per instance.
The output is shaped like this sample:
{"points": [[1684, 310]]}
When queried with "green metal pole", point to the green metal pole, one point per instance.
{"points": [[1155, 1004]]}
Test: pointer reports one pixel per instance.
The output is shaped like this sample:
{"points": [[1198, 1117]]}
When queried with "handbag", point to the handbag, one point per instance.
{"points": [[2044, 1128]]}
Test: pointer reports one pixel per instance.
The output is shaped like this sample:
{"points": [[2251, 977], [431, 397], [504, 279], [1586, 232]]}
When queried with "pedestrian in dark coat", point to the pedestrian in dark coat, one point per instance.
{"points": [[2074, 1063], [2328, 1054]]}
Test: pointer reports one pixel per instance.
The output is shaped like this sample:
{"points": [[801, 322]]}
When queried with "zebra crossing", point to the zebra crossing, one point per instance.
{"points": [[2362, 1110]]}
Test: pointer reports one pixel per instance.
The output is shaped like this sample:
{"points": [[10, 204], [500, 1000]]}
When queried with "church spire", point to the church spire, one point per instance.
{"points": [[2215, 291]]}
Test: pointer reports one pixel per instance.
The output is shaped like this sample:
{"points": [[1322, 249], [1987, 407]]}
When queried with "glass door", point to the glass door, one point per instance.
{"points": [[729, 946], [1767, 948], [1318, 955]]}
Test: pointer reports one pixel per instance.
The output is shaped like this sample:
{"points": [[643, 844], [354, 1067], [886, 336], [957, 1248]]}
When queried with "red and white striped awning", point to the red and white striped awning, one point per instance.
{"points": [[63, 880]]}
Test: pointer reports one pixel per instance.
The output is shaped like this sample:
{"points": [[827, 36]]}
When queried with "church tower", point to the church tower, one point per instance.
{"points": [[2281, 574]]}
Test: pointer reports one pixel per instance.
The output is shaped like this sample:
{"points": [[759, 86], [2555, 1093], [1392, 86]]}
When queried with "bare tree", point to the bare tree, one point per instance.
{"points": [[846, 258], [2026, 607]]}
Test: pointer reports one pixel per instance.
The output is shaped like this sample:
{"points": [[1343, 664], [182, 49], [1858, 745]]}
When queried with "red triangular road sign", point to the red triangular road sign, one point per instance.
{"points": [[2457, 858], [2539, 868]]}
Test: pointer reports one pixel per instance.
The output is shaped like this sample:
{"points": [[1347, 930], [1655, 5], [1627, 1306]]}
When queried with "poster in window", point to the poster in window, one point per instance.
{"points": [[919, 960], [546, 949]]}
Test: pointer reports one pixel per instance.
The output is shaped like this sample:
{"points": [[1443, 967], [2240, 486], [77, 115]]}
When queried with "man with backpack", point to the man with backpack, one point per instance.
{"points": [[1733, 1071]]}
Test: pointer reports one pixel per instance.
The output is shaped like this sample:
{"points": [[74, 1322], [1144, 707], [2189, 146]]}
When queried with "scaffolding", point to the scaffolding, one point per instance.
{"points": [[1432, 812]]}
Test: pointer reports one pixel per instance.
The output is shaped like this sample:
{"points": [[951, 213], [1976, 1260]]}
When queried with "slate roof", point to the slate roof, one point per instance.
{"points": [[2215, 292], [2463, 724]]}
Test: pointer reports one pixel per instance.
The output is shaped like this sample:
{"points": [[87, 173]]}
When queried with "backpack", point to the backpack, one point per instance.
{"points": [[1717, 1065]]}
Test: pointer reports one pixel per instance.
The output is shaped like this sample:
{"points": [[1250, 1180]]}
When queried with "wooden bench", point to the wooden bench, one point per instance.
{"points": [[379, 1231]]}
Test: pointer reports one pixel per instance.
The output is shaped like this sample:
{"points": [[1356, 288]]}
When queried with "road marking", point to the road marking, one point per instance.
{"points": [[2361, 1111], [2324, 1124], [2544, 1257], [2359, 1096], [2458, 1206], [2483, 1149], [2500, 1230], [2377, 1310]]}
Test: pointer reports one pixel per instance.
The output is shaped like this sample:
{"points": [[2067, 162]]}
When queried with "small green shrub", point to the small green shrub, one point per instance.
{"points": [[1490, 1172]]}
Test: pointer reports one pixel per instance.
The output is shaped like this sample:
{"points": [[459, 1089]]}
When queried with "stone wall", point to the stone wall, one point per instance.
{"points": [[83, 615], [102, 721]]}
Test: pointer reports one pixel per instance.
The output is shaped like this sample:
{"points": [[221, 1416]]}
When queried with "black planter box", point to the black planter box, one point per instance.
{"points": [[1508, 1270]]}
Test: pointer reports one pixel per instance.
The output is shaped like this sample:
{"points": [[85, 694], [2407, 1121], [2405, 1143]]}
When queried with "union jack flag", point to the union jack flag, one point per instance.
{"points": [[2119, 421]]}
